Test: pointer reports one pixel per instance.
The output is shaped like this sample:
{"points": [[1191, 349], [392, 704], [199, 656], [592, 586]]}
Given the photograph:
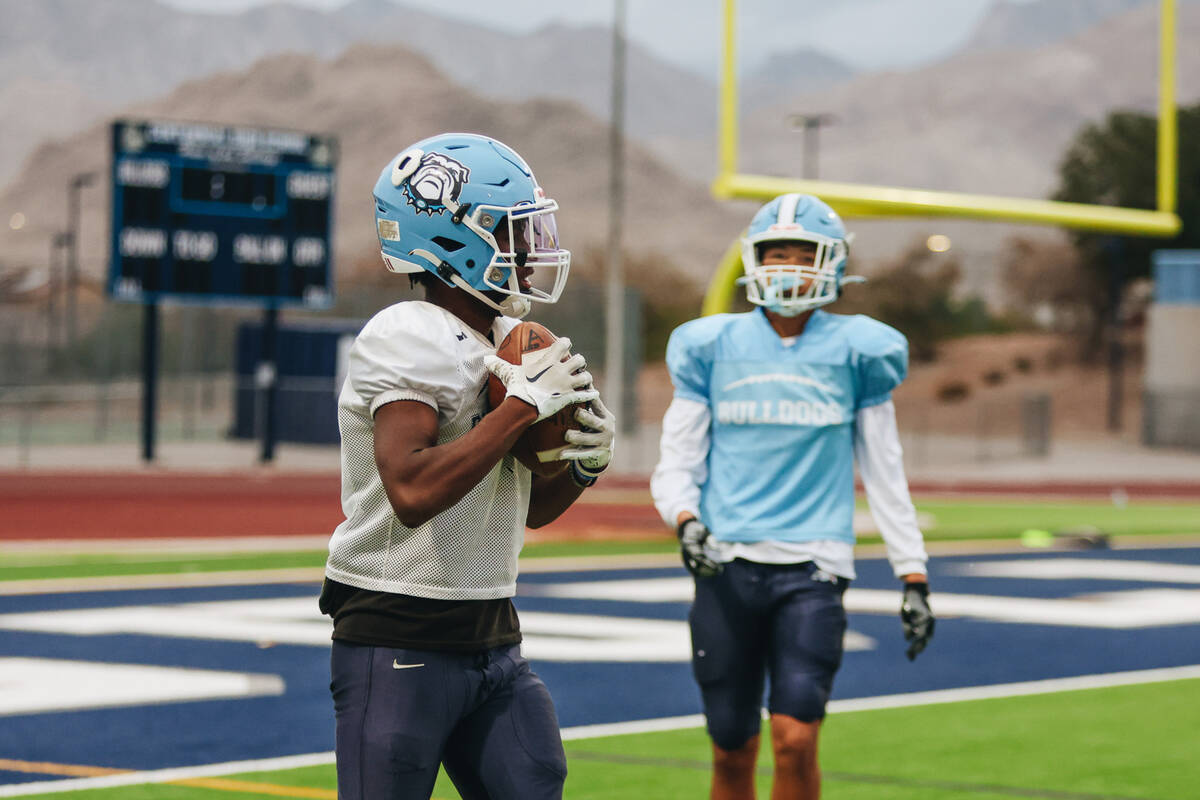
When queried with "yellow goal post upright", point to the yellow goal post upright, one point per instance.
{"points": [[852, 199]]}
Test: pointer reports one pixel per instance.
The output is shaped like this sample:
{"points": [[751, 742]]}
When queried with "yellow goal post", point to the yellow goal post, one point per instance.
{"points": [[861, 200]]}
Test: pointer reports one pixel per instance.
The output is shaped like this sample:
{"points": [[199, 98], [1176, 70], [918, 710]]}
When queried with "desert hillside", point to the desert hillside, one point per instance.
{"points": [[674, 219]]}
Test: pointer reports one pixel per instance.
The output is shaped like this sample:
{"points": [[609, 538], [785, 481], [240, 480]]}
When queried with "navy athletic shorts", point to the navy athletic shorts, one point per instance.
{"points": [[754, 620], [486, 716]]}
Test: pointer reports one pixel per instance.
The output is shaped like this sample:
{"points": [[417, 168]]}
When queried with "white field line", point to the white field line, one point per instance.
{"points": [[167, 581], [315, 574], [638, 726], [166, 775], [914, 699], [528, 565], [168, 545], [226, 545], [301, 575]]}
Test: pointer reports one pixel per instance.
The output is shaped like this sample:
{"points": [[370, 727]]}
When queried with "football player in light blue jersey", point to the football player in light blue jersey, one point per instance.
{"points": [[772, 408]]}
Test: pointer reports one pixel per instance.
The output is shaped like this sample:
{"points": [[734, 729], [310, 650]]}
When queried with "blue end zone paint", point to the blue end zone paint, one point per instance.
{"points": [[176, 734], [945, 573], [585, 694], [12, 604], [965, 652], [611, 608]]}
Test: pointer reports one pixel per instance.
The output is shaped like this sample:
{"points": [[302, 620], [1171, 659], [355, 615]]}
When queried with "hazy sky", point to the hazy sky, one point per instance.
{"points": [[865, 33]]}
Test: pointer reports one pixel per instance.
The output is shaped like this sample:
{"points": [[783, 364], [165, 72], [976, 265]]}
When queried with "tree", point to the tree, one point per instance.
{"points": [[914, 293], [1113, 163], [1047, 275]]}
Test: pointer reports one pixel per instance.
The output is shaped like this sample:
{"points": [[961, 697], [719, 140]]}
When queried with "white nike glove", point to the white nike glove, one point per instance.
{"points": [[594, 445], [544, 379]]}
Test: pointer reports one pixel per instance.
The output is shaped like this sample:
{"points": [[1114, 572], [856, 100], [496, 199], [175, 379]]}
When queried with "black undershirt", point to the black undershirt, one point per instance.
{"points": [[419, 623]]}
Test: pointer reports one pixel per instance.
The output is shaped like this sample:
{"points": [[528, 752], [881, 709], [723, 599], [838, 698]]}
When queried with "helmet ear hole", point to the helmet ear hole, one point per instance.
{"points": [[449, 245]]}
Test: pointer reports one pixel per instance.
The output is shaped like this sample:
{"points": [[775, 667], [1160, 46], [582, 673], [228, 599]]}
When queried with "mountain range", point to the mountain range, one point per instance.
{"points": [[667, 217], [55, 78], [994, 118]]}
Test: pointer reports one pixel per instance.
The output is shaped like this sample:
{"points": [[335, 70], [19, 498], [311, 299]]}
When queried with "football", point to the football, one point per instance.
{"points": [[540, 445]]}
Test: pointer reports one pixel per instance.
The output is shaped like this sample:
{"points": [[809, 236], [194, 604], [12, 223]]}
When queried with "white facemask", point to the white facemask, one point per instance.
{"points": [[780, 289]]}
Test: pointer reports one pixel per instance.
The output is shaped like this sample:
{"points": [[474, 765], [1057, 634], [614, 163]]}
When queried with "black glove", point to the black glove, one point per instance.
{"points": [[916, 618], [692, 537]]}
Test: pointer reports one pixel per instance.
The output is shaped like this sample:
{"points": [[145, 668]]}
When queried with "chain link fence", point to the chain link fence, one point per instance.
{"points": [[54, 392]]}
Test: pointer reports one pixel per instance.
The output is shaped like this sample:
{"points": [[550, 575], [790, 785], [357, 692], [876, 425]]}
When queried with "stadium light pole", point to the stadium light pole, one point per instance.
{"points": [[78, 182], [811, 125], [58, 242], [614, 318]]}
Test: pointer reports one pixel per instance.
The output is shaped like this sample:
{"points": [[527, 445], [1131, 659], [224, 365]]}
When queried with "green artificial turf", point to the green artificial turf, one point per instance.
{"points": [[953, 520], [1099, 744]]}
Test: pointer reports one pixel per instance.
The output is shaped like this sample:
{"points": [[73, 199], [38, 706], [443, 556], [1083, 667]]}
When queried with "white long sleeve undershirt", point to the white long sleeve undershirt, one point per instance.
{"points": [[682, 470]]}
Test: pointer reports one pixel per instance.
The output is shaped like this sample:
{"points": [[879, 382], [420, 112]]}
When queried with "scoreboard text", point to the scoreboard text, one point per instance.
{"points": [[206, 213]]}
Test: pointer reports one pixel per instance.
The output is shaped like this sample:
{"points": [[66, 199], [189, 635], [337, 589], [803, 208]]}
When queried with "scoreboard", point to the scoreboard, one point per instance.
{"points": [[211, 214]]}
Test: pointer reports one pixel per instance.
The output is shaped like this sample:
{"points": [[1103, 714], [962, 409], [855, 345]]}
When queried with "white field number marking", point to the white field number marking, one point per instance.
{"points": [[1138, 608], [1058, 569], [38, 685], [547, 636]]}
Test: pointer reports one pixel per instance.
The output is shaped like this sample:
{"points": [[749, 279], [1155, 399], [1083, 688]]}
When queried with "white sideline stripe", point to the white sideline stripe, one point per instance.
{"points": [[995, 691], [637, 726], [162, 581], [528, 565], [1025, 688], [249, 577], [168, 545], [167, 775]]}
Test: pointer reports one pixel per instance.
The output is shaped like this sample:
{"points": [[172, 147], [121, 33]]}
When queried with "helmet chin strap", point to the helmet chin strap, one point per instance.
{"points": [[789, 311], [514, 306], [510, 306]]}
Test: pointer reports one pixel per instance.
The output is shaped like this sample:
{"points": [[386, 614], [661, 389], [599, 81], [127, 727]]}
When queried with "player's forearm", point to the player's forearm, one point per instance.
{"points": [[682, 466], [550, 497], [881, 465], [435, 478], [675, 493]]}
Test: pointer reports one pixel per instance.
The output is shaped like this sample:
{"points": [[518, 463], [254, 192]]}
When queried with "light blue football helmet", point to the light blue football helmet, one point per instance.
{"points": [[467, 209], [791, 289]]}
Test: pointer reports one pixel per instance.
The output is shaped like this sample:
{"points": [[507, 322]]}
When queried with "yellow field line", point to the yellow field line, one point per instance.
{"points": [[46, 768], [219, 784], [249, 787]]}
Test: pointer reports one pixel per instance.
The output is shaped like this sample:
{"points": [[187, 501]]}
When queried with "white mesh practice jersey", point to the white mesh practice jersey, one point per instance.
{"points": [[418, 351]]}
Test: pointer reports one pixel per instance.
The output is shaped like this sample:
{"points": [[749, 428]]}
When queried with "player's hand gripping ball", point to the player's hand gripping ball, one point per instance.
{"points": [[532, 364]]}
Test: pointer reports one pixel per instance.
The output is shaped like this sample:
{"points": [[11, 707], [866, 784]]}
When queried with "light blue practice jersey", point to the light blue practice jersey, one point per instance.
{"points": [[781, 455]]}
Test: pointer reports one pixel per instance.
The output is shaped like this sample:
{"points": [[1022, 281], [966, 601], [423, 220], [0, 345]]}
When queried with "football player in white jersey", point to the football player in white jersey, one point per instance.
{"points": [[756, 474], [426, 668]]}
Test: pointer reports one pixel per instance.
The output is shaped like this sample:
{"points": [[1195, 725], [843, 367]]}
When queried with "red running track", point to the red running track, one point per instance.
{"points": [[93, 505], [96, 505]]}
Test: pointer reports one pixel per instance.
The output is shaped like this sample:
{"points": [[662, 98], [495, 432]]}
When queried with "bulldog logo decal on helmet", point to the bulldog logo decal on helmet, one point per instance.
{"points": [[431, 182]]}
